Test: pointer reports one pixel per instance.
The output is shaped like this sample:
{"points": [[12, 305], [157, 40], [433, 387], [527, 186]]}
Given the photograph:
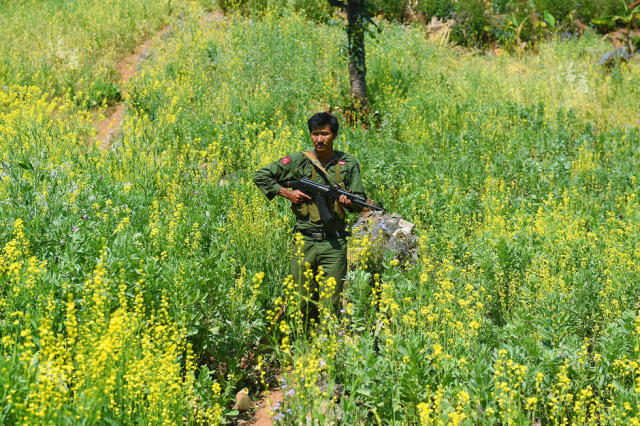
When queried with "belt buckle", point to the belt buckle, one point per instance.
{"points": [[317, 236]]}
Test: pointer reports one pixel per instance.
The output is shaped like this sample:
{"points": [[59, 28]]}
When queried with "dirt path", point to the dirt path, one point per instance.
{"points": [[263, 415], [109, 126]]}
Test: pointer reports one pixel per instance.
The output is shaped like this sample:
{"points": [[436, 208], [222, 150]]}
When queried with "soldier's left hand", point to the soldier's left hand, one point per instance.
{"points": [[344, 200]]}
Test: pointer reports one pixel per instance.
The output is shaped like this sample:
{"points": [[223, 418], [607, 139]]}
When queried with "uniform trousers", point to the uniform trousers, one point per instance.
{"points": [[331, 255]]}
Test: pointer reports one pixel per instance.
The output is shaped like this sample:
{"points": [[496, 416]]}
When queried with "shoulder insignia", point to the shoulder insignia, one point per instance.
{"points": [[342, 163], [286, 160]]}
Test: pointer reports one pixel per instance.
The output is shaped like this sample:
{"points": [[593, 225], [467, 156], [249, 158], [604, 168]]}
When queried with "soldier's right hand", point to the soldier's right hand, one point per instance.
{"points": [[297, 197]]}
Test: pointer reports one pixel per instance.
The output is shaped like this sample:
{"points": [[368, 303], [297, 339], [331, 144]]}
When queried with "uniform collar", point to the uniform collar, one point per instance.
{"points": [[336, 156]]}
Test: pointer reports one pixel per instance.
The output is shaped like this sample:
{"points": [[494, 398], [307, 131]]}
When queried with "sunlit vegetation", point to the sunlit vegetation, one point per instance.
{"points": [[147, 283]]}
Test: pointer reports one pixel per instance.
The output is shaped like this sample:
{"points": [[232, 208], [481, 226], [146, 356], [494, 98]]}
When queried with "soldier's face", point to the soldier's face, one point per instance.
{"points": [[322, 138]]}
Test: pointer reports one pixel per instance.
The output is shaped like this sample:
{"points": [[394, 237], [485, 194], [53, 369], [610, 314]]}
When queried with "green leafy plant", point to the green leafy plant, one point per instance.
{"points": [[629, 19], [550, 20], [514, 27]]}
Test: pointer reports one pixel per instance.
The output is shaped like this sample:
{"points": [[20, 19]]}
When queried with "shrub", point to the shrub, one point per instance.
{"points": [[589, 9], [248, 6], [560, 9], [473, 22], [397, 9], [438, 8], [315, 10], [391, 9], [228, 5]]}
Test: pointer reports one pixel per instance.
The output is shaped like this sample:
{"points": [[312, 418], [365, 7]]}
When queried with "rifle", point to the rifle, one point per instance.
{"points": [[321, 193]]}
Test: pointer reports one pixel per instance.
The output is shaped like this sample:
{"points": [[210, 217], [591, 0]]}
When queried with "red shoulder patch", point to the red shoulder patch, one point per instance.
{"points": [[286, 160], [342, 163]]}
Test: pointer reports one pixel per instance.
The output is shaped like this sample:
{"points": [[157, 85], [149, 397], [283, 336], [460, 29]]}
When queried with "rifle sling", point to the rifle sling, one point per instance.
{"points": [[323, 172], [326, 176]]}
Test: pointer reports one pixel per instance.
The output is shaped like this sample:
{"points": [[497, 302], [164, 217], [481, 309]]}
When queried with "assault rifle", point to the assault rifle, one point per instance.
{"points": [[322, 193]]}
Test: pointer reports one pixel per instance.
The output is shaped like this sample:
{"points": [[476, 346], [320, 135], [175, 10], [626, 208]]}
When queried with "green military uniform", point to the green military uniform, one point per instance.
{"points": [[324, 243]]}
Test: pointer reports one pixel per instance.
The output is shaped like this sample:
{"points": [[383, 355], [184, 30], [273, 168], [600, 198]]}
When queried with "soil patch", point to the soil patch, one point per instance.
{"points": [[111, 124], [263, 414]]}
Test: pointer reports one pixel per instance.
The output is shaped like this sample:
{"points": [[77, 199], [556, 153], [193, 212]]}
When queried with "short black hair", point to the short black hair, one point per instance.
{"points": [[321, 119]]}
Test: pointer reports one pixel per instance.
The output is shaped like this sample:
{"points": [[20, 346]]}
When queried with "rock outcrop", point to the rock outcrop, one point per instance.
{"points": [[388, 232], [610, 59]]}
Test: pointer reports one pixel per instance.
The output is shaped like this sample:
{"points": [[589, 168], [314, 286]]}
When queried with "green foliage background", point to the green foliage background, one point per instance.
{"points": [[477, 22], [520, 174]]}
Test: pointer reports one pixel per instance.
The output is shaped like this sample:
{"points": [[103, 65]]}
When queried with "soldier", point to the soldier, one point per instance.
{"points": [[325, 244]]}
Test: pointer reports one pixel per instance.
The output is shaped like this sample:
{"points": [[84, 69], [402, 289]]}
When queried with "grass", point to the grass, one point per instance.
{"points": [[519, 174], [71, 47]]}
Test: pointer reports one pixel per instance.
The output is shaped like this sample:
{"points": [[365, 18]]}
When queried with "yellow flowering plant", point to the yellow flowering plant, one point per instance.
{"points": [[148, 283]]}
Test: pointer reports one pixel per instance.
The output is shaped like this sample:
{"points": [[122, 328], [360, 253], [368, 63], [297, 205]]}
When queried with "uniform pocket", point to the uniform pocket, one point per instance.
{"points": [[300, 210]]}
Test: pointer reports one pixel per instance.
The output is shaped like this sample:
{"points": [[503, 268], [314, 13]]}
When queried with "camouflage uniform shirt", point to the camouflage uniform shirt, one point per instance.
{"points": [[342, 168]]}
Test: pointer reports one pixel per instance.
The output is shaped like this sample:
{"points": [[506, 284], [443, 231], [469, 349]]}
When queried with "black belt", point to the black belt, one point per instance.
{"points": [[326, 235]]}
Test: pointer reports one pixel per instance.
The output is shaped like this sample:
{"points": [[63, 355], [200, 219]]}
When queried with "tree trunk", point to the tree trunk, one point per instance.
{"points": [[357, 65]]}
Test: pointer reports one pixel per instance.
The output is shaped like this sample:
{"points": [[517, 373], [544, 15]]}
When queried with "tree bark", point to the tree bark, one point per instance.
{"points": [[357, 60], [356, 26]]}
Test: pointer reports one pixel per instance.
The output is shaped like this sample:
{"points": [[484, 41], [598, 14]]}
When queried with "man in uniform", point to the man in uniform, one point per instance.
{"points": [[325, 243]]}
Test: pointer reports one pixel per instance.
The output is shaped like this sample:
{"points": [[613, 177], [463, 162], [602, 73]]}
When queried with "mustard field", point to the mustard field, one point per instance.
{"points": [[147, 282]]}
